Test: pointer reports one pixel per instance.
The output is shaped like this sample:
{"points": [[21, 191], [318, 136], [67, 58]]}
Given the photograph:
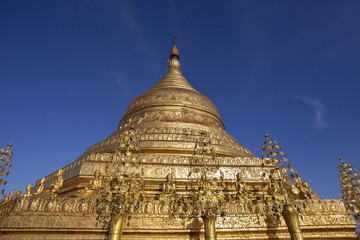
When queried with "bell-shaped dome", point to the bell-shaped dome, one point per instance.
{"points": [[171, 116], [173, 99]]}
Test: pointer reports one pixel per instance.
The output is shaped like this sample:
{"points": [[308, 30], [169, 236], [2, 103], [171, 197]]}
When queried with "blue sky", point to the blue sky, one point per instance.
{"points": [[68, 69]]}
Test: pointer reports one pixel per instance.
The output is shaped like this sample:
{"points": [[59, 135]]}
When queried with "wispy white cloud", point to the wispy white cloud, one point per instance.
{"points": [[129, 14], [319, 111]]}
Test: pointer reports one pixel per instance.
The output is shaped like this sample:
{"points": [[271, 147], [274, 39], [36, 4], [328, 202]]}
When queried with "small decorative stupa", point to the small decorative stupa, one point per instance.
{"points": [[169, 169]]}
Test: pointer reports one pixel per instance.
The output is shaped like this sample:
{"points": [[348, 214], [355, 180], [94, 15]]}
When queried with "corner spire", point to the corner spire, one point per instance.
{"points": [[174, 56]]}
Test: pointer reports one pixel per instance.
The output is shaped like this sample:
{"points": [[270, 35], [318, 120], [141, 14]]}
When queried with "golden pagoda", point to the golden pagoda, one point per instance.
{"points": [[174, 142]]}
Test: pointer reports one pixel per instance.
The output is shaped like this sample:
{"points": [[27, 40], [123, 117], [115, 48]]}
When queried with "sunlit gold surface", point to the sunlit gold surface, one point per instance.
{"points": [[94, 184], [168, 189], [322, 219], [350, 185], [41, 185], [5, 164], [285, 183], [116, 225], [170, 116], [28, 191], [169, 164], [292, 222], [284, 189], [57, 184], [210, 230]]}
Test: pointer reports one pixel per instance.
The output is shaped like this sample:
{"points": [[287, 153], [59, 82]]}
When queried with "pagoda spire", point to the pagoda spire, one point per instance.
{"points": [[174, 62], [174, 51]]}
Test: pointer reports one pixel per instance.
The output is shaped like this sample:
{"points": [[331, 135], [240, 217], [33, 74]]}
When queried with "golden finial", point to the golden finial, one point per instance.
{"points": [[174, 51]]}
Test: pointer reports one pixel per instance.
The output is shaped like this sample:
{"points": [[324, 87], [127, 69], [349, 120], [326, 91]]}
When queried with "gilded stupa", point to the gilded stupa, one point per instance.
{"points": [[168, 120]]}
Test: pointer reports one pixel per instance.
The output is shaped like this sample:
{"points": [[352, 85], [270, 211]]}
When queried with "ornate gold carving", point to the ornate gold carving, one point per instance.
{"points": [[168, 189], [279, 189], [41, 186], [116, 225], [94, 184], [241, 190], [292, 221], [276, 188], [168, 137], [5, 164], [350, 182], [9, 197], [209, 225], [171, 115], [284, 173], [57, 184], [310, 210], [171, 121], [28, 191], [171, 96], [123, 193]]}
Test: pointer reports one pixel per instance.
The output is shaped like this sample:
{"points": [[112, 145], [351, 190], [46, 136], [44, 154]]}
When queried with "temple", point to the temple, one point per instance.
{"points": [[169, 122]]}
